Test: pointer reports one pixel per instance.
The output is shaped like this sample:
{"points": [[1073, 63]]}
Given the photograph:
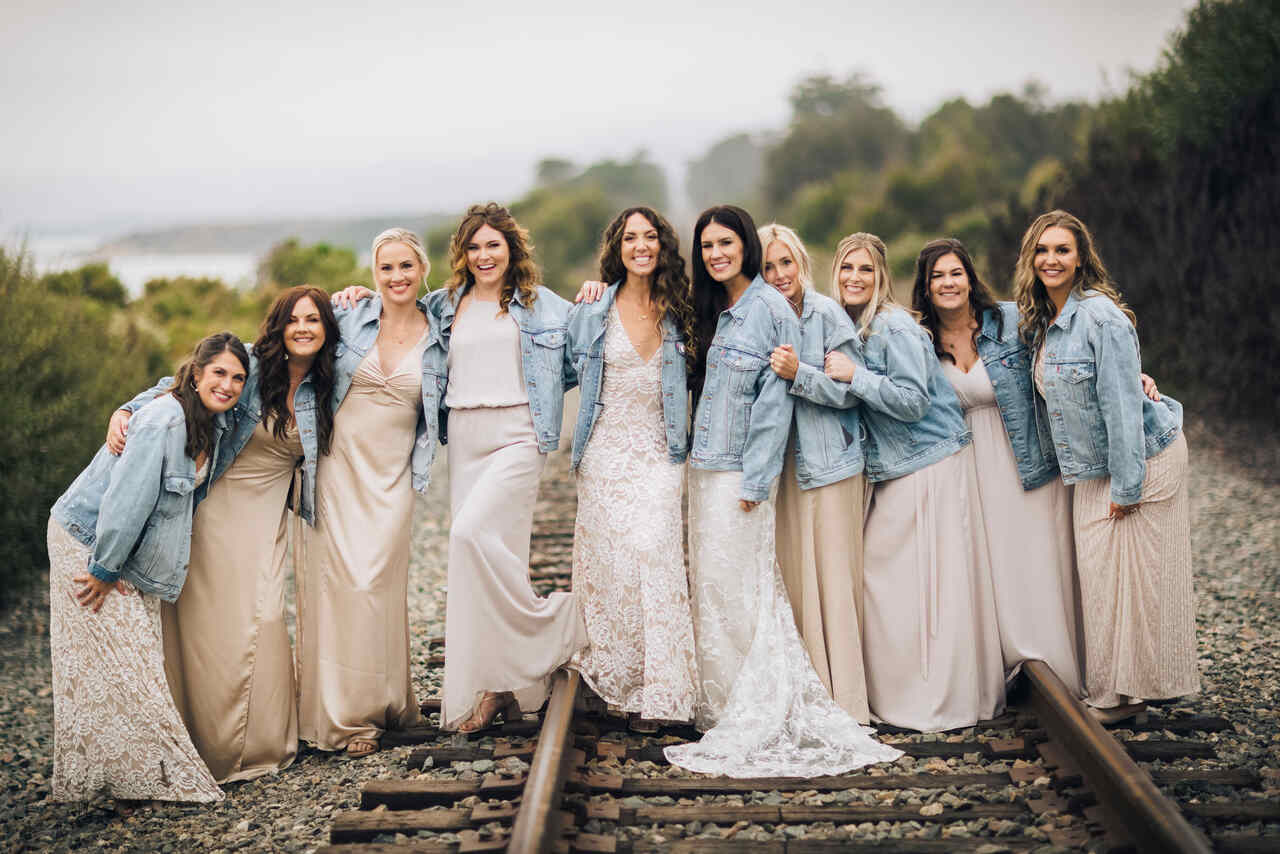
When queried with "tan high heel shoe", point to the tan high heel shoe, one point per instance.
{"points": [[491, 705]]}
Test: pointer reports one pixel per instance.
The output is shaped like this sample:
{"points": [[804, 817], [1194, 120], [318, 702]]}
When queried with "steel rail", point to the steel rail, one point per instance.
{"points": [[534, 831]]}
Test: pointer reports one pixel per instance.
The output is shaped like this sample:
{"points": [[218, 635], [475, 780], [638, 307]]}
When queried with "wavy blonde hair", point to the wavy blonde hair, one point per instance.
{"points": [[787, 237], [881, 294], [522, 273], [1035, 310], [399, 235]]}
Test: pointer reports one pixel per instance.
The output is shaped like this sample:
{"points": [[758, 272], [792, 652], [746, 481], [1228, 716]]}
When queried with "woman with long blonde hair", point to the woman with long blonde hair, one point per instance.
{"points": [[821, 489], [932, 649], [1127, 457]]}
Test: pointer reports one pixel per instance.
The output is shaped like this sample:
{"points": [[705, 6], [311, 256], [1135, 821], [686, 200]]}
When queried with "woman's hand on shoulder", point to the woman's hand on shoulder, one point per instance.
{"points": [[349, 296], [784, 361], [838, 366], [747, 506], [590, 292], [1119, 511], [117, 427]]}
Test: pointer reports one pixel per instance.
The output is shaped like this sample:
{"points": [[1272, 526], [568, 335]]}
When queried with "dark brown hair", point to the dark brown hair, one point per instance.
{"points": [[709, 296], [980, 296], [273, 364], [670, 288], [199, 419]]}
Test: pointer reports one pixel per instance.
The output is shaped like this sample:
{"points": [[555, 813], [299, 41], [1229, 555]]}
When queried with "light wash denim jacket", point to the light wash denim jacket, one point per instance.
{"points": [[243, 420], [358, 326], [585, 349], [547, 374], [744, 413], [829, 431], [134, 510], [912, 414], [1102, 423], [1008, 364]]}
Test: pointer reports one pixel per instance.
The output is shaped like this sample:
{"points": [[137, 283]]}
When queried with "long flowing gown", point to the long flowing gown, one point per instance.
{"points": [[353, 620], [500, 635], [819, 538], [1136, 583], [1029, 539], [628, 552], [227, 652], [931, 642], [764, 711], [115, 728]]}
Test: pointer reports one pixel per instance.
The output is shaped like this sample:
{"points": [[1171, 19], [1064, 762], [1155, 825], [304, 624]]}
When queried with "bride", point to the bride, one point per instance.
{"points": [[760, 704]]}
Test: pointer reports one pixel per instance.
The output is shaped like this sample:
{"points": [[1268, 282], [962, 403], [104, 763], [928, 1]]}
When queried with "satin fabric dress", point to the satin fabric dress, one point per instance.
{"points": [[227, 652], [1029, 540], [353, 620]]}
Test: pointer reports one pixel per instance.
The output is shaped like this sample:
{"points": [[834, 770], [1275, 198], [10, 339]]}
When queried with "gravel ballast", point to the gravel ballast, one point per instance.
{"points": [[1235, 533]]}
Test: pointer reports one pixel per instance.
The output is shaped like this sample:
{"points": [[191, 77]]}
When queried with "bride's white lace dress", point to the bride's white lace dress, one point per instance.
{"points": [[628, 557], [764, 711]]}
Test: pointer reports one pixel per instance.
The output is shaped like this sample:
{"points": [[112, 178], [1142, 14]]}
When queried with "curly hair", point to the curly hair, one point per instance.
{"points": [[980, 296], [669, 289], [200, 420], [522, 272], [881, 293], [1035, 309], [709, 296], [273, 364]]}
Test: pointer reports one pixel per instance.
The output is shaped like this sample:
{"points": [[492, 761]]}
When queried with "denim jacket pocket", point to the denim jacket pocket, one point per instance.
{"points": [[549, 351], [173, 498]]}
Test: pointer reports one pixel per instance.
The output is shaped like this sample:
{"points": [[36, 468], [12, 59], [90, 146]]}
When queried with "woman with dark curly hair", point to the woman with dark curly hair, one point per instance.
{"points": [[505, 336], [227, 653], [630, 350]]}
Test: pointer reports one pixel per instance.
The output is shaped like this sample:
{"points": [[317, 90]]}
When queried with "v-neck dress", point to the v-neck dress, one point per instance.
{"points": [[628, 549], [353, 621]]}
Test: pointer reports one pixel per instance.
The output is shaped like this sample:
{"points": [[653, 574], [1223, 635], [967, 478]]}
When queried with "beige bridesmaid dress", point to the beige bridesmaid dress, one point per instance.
{"points": [[353, 616], [227, 652]]}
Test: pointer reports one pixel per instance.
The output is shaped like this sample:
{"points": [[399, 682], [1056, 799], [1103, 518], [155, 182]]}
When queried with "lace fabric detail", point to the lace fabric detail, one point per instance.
{"points": [[764, 711], [115, 728], [628, 558]]}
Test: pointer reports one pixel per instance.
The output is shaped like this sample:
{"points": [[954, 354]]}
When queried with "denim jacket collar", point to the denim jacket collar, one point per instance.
{"points": [[1068, 313], [990, 326], [739, 309]]}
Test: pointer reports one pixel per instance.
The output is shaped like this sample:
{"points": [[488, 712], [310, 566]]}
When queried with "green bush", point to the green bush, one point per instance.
{"points": [[71, 359]]}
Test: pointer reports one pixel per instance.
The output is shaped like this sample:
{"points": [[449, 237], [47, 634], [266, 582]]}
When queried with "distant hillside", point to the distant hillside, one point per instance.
{"points": [[257, 237]]}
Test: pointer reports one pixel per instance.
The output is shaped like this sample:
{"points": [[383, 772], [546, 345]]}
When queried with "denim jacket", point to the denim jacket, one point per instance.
{"points": [[585, 349], [829, 432], [1101, 421], [912, 414], [744, 413], [243, 420], [547, 374], [134, 510], [359, 334], [1008, 364]]}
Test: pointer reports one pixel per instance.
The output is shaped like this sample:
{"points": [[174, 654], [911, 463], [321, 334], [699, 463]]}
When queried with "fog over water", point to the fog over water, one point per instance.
{"points": [[144, 113]]}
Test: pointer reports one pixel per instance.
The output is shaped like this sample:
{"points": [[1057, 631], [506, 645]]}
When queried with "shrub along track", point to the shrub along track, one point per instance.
{"points": [[1042, 774]]}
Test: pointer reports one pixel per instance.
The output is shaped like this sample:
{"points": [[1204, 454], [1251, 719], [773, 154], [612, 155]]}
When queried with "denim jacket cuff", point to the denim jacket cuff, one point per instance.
{"points": [[754, 493], [800, 385], [863, 382], [101, 573], [1125, 497]]}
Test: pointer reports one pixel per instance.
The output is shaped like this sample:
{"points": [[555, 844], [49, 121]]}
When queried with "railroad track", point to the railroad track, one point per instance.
{"points": [[1044, 773]]}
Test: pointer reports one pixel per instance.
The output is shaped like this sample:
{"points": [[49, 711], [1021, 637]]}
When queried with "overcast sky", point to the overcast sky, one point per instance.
{"points": [[158, 111]]}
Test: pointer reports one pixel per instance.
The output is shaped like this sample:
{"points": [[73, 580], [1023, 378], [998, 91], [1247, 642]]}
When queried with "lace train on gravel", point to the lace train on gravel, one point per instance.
{"points": [[765, 711]]}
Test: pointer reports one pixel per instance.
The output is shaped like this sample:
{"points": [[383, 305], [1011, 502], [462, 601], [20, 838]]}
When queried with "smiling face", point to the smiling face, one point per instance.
{"points": [[782, 271], [488, 256], [304, 331], [220, 382], [398, 273], [1057, 258], [639, 247], [949, 284], [721, 252], [856, 278]]}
